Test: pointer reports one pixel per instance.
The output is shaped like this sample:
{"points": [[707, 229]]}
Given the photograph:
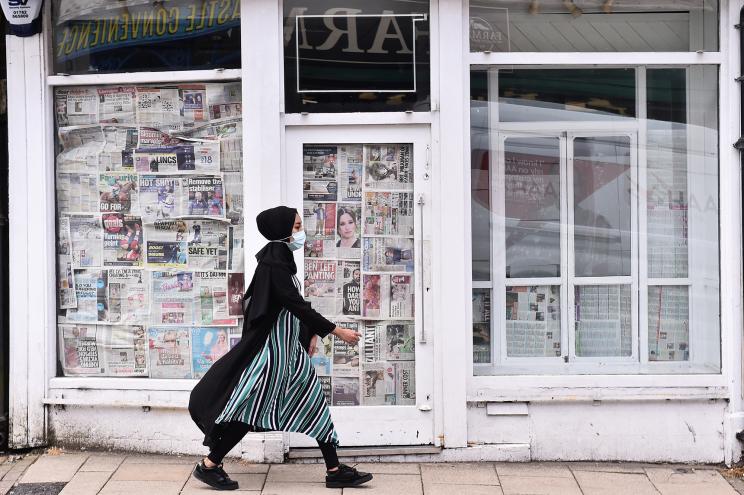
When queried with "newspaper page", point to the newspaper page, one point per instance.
{"points": [[81, 350], [533, 321], [120, 137], [152, 137], [90, 293], [224, 100], [236, 254], [65, 276], [348, 279], [81, 147], [391, 254], [346, 356], [378, 384], [348, 231], [482, 326], [345, 391], [194, 98], [388, 167], [170, 352], [118, 193], [372, 296], [117, 104], [126, 351], [207, 346], [350, 162], [603, 320], [400, 340], [192, 158], [77, 106], [319, 161], [77, 193], [401, 296], [319, 190], [211, 306], [172, 298], [196, 244], [235, 292], [373, 341], [327, 387], [668, 323], [234, 196], [204, 195], [320, 285], [322, 358], [122, 240], [234, 334], [160, 197], [405, 383], [127, 296], [319, 220], [159, 108], [388, 213]]}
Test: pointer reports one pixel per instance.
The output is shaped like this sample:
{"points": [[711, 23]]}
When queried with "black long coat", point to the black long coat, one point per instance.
{"points": [[271, 289]]}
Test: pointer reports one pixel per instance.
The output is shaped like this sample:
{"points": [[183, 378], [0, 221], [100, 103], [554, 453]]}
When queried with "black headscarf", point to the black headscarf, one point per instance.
{"points": [[276, 224]]}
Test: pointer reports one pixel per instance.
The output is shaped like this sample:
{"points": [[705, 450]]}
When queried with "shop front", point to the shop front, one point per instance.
{"points": [[572, 293]]}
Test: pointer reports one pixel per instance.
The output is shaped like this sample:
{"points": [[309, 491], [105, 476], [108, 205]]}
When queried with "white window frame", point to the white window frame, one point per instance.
{"points": [[594, 384]]}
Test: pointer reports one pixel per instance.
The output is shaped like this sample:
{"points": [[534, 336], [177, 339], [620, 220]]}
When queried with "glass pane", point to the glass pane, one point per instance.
{"points": [[357, 56], [150, 228], [593, 26], [133, 35], [533, 321], [359, 265], [603, 320], [668, 323], [481, 325], [532, 207], [550, 94], [480, 177], [602, 206]]}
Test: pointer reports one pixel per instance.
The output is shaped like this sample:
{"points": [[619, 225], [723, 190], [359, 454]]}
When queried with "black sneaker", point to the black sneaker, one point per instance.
{"points": [[346, 477], [215, 477]]}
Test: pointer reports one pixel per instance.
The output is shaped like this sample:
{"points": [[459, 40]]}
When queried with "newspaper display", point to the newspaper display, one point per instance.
{"points": [[125, 351], [323, 356], [234, 334], [345, 356], [319, 220], [122, 240], [172, 298], [603, 320], [533, 321], [320, 285], [86, 237], [150, 198], [170, 352], [81, 350], [127, 296], [668, 323], [207, 346], [327, 388], [65, 275], [358, 213], [482, 326]]}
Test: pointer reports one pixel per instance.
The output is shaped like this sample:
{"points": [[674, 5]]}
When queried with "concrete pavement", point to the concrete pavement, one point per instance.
{"points": [[55, 472]]}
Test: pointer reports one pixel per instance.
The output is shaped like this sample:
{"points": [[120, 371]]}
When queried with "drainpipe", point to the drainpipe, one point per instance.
{"points": [[739, 145]]}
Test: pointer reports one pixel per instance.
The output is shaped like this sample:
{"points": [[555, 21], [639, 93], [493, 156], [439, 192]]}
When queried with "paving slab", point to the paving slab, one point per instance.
{"points": [[141, 487], [5, 487], [388, 467], [448, 489], [684, 481], [19, 467], [86, 483], [538, 485], [247, 482], [533, 469], [153, 472], [102, 462], [160, 459], [608, 467], [283, 488], [54, 468], [392, 484], [604, 483], [300, 473], [470, 473], [244, 467]]}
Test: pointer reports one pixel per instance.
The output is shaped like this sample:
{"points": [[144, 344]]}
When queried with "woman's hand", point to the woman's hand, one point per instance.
{"points": [[347, 335], [313, 345]]}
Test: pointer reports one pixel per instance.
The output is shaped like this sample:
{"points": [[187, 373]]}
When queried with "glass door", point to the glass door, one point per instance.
{"points": [[363, 197]]}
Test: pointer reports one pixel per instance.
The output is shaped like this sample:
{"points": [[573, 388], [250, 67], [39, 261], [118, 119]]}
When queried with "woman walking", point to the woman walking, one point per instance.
{"points": [[266, 382]]}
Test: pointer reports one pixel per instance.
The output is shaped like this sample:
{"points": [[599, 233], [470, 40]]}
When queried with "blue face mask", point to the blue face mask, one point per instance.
{"points": [[298, 240]]}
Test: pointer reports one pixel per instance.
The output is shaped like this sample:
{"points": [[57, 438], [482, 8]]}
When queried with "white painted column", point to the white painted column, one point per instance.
{"points": [[451, 280], [32, 241]]}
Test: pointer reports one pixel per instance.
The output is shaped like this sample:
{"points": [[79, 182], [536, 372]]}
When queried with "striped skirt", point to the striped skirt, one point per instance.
{"points": [[279, 390]]}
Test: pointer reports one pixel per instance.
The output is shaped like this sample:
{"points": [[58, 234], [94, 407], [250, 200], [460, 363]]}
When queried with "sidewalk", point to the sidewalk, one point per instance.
{"points": [[107, 473]]}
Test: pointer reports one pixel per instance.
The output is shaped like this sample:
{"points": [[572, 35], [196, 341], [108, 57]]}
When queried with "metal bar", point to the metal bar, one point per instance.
{"points": [[420, 203]]}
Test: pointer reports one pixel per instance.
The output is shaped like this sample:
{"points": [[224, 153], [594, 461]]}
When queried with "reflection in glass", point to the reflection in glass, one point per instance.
{"points": [[668, 323], [533, 321], [532, 185], [593, 25], [602, 206], [603, 320], [482, 325], [480, 177]]}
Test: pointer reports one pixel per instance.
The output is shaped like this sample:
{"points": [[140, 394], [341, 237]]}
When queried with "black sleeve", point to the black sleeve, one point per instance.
{"points": [[286, 293]]}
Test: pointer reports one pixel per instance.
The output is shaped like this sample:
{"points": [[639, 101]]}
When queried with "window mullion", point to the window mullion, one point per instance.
{"points": [[567, 250]]}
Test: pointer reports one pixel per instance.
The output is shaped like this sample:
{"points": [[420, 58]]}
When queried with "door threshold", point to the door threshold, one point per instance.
{"points": [[309, 452]]}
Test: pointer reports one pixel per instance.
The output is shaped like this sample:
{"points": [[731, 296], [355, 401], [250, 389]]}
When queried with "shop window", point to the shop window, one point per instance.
{"points": [[150, 228], [593, 26], [595, 220], [99, 36], [358, 56]]}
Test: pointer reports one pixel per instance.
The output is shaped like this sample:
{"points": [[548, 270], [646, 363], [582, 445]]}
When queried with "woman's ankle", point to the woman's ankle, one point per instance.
{"points": [[208, 463]]}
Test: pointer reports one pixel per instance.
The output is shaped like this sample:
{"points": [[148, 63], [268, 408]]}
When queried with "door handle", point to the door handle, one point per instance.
{"points": [[420, 202]]}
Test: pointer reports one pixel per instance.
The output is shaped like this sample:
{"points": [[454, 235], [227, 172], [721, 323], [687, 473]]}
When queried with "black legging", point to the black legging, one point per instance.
{"points": [[234, 432]]}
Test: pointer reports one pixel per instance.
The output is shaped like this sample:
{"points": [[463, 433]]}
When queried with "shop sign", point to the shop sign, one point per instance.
{"points": [[489, 29], [22, 16]]}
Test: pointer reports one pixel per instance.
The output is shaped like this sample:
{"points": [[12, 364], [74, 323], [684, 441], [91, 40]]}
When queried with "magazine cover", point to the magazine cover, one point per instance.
{"points": [[122, 240], [81, 350], [118, 192], [170, 352], [207, 346], [345, 391], [126, 351], [348, 278]]}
